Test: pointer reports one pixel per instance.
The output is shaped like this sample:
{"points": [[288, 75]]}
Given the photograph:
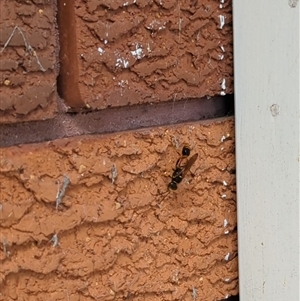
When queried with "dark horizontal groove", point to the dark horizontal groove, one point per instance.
{"points": [[113, 120]]}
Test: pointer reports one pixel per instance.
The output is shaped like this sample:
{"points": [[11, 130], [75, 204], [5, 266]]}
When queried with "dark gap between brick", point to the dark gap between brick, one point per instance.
{"points": [[113, 120]]}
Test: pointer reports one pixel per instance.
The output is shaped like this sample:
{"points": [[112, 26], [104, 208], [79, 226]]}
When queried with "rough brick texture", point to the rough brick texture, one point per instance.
{"points": [[113, 233], [116, 53], [29, 60]]}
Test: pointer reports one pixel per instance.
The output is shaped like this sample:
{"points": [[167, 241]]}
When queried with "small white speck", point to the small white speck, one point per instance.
{"points": [[55, 241], [125, 4], [227, 296], [222, 48], [156, 25], [100, 50], [222, 93], [226, 232], [221, 5], [122, 63], [227, 279], [224, 183], [223, 85], [222, 1], [222, 148], [221, 57], [138, 53], [223, 138], [223, 196], [148, 48], [194, 293], [222, 21], [227, 256], [105, 42], [122, 83], [225, 223]]}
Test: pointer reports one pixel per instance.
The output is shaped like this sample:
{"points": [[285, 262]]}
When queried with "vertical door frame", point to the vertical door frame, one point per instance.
{"points": [[267, 114]]}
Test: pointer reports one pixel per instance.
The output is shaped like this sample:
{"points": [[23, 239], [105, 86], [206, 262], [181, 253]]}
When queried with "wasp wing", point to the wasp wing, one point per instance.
{"points": [[189, 164]]}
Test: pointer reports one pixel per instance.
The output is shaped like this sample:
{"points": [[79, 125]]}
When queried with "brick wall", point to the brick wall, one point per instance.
{"points": [[90, 217]]}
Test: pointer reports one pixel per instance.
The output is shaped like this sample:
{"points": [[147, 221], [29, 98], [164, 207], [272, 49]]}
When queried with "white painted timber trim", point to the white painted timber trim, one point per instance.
{"points": [[267, 111]]}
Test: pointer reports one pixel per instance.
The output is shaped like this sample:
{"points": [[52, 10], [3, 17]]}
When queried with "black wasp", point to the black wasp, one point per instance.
{"points": [[182, 168]]}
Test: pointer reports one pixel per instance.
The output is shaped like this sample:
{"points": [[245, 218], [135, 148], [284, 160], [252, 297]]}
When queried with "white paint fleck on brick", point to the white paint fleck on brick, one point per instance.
{"points": [[227, 256], [222, 21], [100, 50], [122, 63], [223, 84]]}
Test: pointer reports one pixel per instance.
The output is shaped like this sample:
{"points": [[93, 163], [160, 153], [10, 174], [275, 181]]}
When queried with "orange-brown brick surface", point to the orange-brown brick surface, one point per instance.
{"points": [[29, 65], [116, 53], [90, 218]]}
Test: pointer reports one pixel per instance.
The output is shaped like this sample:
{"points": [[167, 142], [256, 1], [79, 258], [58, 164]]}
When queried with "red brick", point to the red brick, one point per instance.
{"points": [[116, 53], [119, 234], [29, 65]]}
